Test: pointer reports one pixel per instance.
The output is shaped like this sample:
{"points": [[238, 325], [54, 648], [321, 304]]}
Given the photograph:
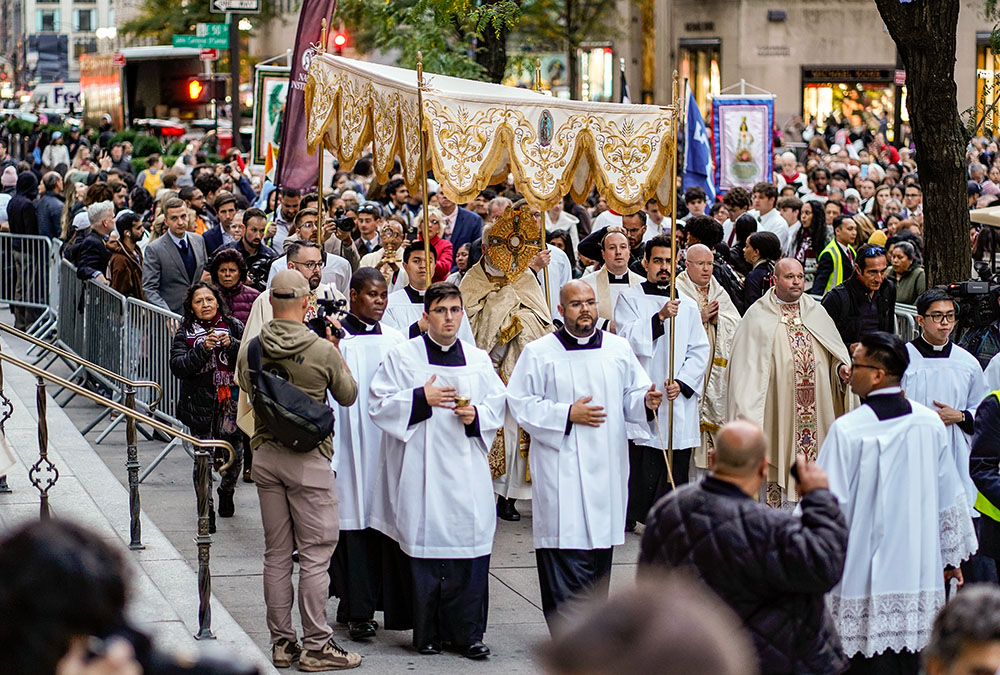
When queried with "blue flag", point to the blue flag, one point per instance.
{"points": [[698, 157]]}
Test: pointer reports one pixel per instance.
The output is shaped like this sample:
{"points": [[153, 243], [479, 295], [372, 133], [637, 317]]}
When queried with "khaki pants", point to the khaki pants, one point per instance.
{"points": [[298, 508]]}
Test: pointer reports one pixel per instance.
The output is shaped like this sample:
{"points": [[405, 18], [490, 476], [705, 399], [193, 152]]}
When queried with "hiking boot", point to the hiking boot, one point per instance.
{"points": [[284, 653], [331, 657], [227, 508]]}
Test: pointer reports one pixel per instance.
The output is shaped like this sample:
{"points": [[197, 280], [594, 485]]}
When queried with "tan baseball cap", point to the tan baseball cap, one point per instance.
{"points": [[289, 284]]}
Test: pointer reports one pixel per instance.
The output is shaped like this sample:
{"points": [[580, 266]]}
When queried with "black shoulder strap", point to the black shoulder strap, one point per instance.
{"points": [[253, 357]]}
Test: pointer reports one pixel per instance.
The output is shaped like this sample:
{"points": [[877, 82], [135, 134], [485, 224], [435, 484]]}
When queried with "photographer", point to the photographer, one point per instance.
{"points": [[297, 490], [63, 591]]}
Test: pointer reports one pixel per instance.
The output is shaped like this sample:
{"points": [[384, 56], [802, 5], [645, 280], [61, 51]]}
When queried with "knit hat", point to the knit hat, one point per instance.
{"points": [[81, 221], [9, 177], [878, 238]]}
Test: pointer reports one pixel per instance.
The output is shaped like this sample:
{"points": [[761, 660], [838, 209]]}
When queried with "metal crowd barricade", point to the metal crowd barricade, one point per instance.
{"points": [[26, 279], [906, 322], [70, 328], [104, 321]]}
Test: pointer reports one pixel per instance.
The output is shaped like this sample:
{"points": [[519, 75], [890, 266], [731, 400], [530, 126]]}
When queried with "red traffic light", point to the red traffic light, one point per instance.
{"points": [[339, 40], [195, 90]]}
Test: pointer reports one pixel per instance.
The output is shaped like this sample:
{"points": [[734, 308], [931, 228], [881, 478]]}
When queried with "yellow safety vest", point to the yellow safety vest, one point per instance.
{"points": [[982, 504], [837, 278]]}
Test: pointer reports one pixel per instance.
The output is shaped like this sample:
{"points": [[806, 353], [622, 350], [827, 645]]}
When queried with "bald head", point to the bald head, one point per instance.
{"points": [[740, 447], [576, 290], [699, 252], [791, 263], [578, 307], [789, 280], [700, 263]]}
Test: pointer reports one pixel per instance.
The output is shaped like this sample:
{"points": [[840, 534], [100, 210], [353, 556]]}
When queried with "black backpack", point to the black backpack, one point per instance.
{"points": [[297, 421]]}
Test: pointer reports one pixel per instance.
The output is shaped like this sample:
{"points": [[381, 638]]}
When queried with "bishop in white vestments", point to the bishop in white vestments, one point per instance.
{"points": [[574, 391], [439, 404], [891, 467], [641, 316], [406, 306], [355, 571]]}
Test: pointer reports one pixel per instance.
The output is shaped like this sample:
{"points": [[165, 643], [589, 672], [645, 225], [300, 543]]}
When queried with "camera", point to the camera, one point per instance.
{"points": [[326, 309], [342, 221], [977, 302]]}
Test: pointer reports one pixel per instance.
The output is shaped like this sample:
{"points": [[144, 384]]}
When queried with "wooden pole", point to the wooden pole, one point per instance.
{"points": [[423, 168], [319, 154], [673, 268]]}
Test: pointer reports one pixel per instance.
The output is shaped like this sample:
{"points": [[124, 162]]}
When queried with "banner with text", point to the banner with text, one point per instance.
{"points": [[742, 135]]}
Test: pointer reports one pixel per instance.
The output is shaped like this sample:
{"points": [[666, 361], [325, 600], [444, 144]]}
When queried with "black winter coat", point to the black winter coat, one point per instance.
{"points": [[198, 400], [843, 304], [769, 566]]}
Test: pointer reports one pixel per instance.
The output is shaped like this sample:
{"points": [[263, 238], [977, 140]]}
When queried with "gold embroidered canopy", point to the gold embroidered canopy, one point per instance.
{"points": [[477, 133]]}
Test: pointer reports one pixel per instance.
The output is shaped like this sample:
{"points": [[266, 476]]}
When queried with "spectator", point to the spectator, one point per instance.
{"points": [[221, 233], [745, 226], [203, 358], [442, 249], [461, 225], [669, 627], [55, 153], [50, 206], [695, 200], [173, 262], [119, 161], [284, 216], [8, 180], [22, 218], [907, 273], [91, 256], [737, 202], [119, 194], [966, 635], [125, 265], [256, 254], [229, 274], [762, 251], [195, 200], [78, 231], [151, 177], [770, 566], [210, 186], [865, 303], [462, 263], [836, 260]]}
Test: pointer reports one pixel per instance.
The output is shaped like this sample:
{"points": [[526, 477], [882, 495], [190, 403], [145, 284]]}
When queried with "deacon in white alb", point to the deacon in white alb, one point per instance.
{"points": [[574, 391], [405, 311], [439, 403], [355, 571], [891, 467], [641, 317], [613, 278]]}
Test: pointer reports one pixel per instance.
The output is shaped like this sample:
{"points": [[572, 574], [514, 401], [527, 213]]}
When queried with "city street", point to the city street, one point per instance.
{"points": [[515, 625]]}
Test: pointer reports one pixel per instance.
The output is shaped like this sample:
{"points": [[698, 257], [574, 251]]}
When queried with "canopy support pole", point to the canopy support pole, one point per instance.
{"points": [[423, 170], [319, 155], [673, 274]]}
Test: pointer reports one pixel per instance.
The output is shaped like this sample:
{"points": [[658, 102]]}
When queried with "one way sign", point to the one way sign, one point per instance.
{"points": [[235, 6]]}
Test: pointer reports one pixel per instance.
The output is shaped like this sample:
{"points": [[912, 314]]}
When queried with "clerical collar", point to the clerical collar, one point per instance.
{"points": [[615, 279], [440, 355], [415, 296], [649, 288], [888, 403], [356, 326], [929, 351], [573, 343]]}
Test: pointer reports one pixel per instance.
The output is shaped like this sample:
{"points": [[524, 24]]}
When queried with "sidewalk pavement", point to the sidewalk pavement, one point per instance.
{"points": [[96, 492]]}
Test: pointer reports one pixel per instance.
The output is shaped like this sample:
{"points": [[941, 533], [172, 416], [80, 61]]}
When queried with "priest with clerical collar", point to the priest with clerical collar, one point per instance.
{"points": [[439, 404], [574, 391], [891, 467], [947, 379], [614, 277], [642, 316], [405, 309], [355, 571]]}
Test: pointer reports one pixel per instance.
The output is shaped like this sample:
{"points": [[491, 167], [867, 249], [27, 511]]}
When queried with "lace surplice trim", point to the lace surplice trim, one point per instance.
{"points": [[896, 621], [958, 538]]}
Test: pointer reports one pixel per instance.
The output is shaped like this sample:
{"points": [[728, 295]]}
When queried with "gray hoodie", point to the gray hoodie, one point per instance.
{"points": [[292, 351]]}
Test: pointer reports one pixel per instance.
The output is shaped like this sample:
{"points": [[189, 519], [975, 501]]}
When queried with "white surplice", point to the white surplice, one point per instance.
{"points": [[607, 293], [402, 311], [560, 273], [992, 374], [634, 317], [951, 376], [908, 518], [578, 479], [434, 493], [356, 440]]}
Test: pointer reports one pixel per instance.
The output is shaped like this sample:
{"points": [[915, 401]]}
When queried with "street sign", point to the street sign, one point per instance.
{"points": [[212, 30], [900, 78], [118, 60], [209, 54], [200, 42], [235, 6]]}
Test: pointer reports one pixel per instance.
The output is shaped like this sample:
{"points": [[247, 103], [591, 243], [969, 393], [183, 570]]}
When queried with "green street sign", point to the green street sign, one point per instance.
{"points": [[200, 42], [212, 30]]}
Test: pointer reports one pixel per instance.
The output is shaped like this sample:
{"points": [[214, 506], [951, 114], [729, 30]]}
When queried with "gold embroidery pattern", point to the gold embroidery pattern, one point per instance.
{"points": [[804, 367]]}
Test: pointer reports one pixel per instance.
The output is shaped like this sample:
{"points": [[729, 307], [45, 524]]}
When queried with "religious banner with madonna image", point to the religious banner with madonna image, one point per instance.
{"points": [[742, 135]]}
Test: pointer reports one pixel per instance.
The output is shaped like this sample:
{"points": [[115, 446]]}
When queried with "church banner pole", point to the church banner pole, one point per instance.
{"points": [[423, 169], [537, 86], [673, 268], [319, 154]]}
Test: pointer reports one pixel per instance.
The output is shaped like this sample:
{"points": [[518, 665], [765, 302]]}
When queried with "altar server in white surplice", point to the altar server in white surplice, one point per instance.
{"points": [[891, 467], [355, 571], [434, 492], [406, 306], [574, 391], [642, 317]]}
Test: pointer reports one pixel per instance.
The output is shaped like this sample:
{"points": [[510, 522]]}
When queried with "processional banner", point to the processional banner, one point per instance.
{"points": [[742, 135]]}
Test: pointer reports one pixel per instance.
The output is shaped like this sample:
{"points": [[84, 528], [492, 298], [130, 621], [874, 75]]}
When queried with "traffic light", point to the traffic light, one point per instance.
{"points": [[195, 90], [339, 42], [199, 90]]}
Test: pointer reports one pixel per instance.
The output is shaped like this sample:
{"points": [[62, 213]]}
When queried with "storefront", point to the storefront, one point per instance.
{"points": [[863, 95], [987, 89], [698, 63]]}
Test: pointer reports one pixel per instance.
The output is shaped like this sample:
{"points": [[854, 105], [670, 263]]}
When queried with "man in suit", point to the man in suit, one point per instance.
{"points": [[460, 226], [222, 233], [174, 261], [369, 225], [92, 255]]}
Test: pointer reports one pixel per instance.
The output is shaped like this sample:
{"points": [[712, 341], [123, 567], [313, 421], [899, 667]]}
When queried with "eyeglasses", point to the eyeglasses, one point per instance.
{"points": [[311, 266], [865, 365], [441, 311], [941, 317]]}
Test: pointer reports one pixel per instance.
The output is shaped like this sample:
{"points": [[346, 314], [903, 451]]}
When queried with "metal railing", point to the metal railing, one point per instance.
{"points": [[44, 474], [906, 322], [30, 278]]}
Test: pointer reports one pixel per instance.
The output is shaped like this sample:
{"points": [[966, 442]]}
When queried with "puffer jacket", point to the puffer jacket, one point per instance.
{"points": [[198, 400], [240, 300], [771, 567]]}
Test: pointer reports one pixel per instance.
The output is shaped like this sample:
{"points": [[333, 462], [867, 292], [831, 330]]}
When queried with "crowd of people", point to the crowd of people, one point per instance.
{"points": [[590, 381]]}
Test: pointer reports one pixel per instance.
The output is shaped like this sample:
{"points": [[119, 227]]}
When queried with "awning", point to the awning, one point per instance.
{"points": [[988, 216], [477, 133]]}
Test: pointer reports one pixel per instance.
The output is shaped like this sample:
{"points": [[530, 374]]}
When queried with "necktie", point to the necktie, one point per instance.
{"points": [[188, 258]]}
